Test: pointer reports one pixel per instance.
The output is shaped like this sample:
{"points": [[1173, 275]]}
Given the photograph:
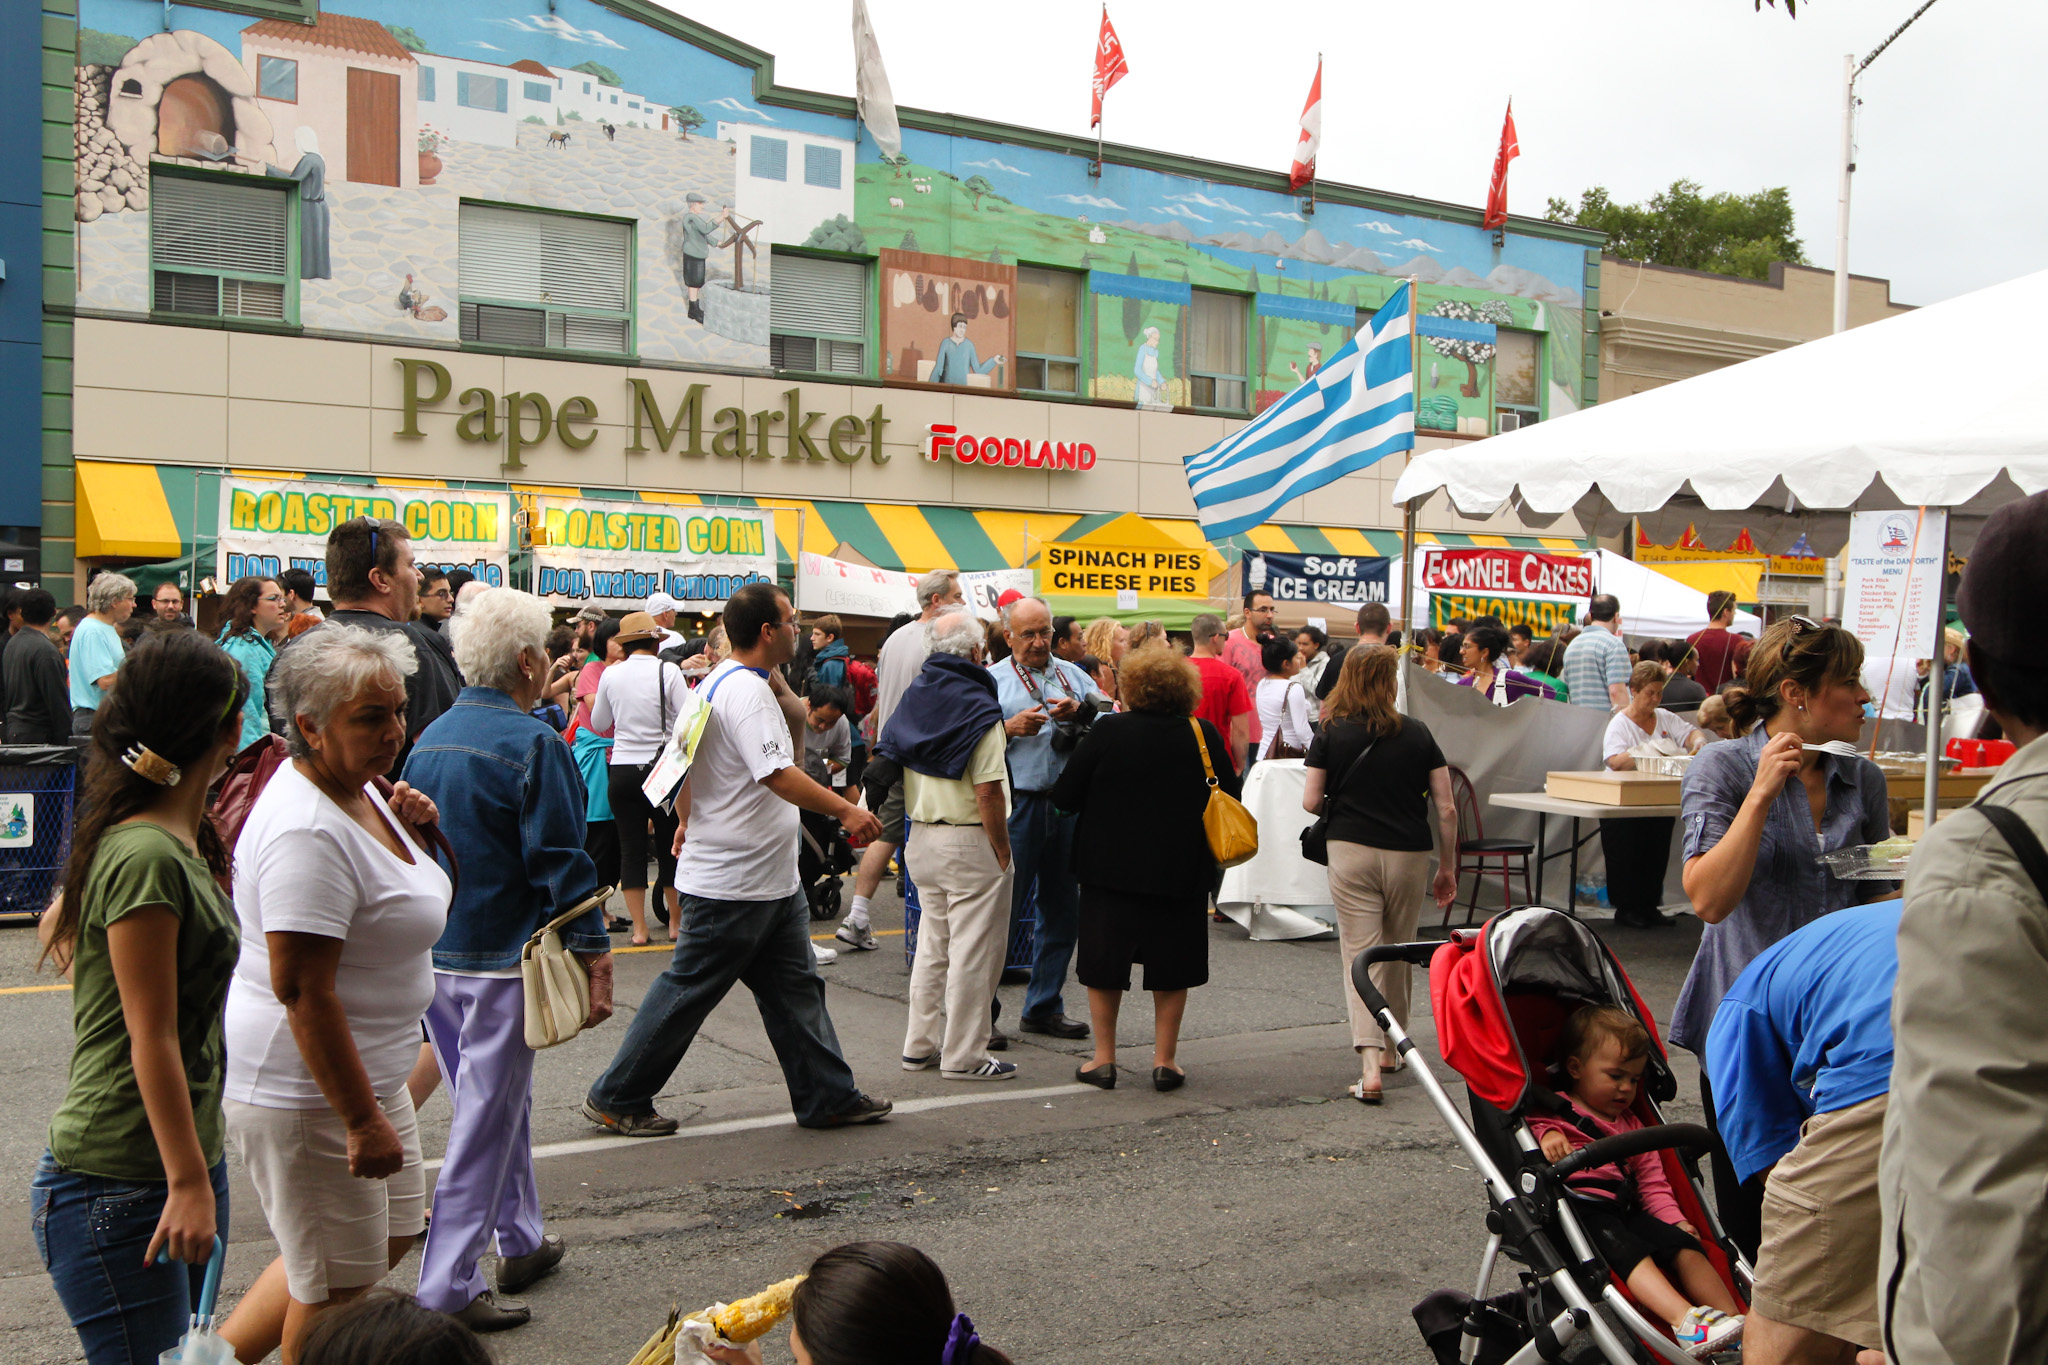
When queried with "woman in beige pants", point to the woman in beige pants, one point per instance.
{"points": [[1382, 773]]}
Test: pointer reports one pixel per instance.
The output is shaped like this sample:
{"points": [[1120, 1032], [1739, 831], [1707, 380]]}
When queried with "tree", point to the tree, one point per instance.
{"points": [[686, 118], [909, 242], [599, 70], [895, 164], [407, 37], [1133, 314], [1473, 353], [1728, 234], [978, 186], [837, 234]]}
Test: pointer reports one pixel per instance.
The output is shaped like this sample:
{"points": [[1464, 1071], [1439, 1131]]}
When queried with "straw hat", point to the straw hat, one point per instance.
{"points": [[636, 626]]}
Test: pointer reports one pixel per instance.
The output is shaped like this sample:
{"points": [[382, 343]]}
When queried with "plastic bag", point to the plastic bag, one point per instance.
{"points": [[200, 1346]]}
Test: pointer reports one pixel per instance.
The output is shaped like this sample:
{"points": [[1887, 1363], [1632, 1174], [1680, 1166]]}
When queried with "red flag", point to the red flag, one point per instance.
{"points": [[1497, 189], [1110, 66], [1310, 140]]}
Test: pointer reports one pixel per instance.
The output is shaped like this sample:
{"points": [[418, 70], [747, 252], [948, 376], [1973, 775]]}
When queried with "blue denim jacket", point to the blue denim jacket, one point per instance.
{"points": [[512, 807]]}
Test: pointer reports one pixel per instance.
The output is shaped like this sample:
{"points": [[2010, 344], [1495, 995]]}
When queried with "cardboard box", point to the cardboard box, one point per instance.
{"points": [[1609, 788]]}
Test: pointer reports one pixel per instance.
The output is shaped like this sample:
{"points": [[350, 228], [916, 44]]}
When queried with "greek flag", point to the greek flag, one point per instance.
{"points": [[1354, 411]]}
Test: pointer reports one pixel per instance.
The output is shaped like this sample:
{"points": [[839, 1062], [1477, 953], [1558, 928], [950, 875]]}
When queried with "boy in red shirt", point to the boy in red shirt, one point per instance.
{"points": [[1226, 702]]}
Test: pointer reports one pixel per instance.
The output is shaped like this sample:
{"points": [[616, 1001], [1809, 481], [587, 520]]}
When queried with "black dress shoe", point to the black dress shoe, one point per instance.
{"points": [[1016, 976], [1643, 919], [517, 1272], [485, 1314], [1053, 1025], [1103, 1076], [998, 1041], [1166, 1078]]}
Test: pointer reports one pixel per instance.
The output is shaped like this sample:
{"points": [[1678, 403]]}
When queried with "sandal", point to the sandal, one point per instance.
{"points": [[1363, 1096]]}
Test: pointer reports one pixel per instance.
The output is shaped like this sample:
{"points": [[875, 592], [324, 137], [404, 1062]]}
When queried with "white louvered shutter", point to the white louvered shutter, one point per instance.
{"points": [[219, 225], [544, 258]]}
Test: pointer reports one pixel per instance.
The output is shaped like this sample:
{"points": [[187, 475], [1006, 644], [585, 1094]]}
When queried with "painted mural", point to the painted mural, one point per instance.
{"points": [[385, 117]]}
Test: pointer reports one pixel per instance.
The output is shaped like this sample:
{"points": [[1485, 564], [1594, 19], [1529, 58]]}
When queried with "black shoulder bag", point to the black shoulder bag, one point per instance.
{"points": [[1315, 840]]}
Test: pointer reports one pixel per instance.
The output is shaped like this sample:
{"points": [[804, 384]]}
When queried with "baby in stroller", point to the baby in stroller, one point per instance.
{"points": [[1628, 1207]]}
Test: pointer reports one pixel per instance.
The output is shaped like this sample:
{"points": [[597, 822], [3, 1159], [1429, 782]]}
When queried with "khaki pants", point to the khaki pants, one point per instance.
{"points": [[1822, 1226], [961, 937], [1379, 896]]}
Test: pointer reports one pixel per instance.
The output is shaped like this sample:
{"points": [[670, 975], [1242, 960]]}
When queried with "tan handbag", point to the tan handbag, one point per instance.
{"points": [[557, 986], [1232, 832]]}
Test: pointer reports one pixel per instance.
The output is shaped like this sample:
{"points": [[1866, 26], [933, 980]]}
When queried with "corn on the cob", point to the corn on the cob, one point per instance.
{"points": [[752, 1316], [665, 1335]]}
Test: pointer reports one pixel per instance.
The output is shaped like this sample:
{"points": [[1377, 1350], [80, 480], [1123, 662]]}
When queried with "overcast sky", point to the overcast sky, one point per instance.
{"points": [[1950, 193]]}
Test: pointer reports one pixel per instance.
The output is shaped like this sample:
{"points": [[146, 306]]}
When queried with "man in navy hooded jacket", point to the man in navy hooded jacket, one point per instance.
{"points": [[948, 734]]}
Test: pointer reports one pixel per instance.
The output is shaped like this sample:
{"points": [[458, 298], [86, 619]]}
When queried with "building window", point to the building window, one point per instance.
{"points": [[615, 99], [768, 158], [1048, 330], [474, 90], [818, 314], [821, 167], [546, 280], [220, 247], [586, 87], [426, 85], [1216, 368], [540, 92], [277, 78], [1517, 379]]}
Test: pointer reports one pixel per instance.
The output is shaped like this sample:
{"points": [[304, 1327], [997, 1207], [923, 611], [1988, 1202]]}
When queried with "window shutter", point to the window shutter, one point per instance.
{"points": [[426, 85], [523, 257], [821, 167], [812, 295], [768, 158], [219, 225]]}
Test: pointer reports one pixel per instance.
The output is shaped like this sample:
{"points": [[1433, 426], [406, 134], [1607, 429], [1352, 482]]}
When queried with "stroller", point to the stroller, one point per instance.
{"points": [[823, 855], [1501, 995]]}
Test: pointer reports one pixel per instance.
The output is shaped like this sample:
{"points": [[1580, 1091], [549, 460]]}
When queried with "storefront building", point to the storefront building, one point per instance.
{"points": [[617, 264]]}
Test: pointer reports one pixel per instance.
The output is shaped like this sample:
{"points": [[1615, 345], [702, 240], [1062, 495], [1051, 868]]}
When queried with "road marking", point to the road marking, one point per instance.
{"points": [[815, 938], [31, 990], [579, 1146]]}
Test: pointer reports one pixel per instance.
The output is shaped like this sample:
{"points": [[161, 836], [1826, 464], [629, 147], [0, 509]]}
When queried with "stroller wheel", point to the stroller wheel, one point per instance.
{"points": [[825, 900]]}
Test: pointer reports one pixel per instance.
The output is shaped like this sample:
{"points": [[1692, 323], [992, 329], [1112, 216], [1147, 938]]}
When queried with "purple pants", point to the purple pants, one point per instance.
{"points": [[478, 1027]]}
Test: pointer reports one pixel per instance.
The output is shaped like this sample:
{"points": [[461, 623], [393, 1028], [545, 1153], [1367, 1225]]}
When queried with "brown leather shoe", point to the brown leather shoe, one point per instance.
{"points": [[485, 1314], [517, 1272]]}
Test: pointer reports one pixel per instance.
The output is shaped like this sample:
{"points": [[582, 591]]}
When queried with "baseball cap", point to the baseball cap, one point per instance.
{"points": [[659, 602], [1009, 595], [591, 614]]}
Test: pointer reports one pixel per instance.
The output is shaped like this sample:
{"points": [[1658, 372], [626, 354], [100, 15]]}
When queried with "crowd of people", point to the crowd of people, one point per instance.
{"points": [[294, 958]]}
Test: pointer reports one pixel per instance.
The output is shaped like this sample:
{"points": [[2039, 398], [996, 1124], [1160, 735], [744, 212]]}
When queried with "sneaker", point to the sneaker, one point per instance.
{"points": [[1704, 1331], [990, 1070], [631, 1125], [825, 956], [864, 1109], [921, 1063], [857, 936]]}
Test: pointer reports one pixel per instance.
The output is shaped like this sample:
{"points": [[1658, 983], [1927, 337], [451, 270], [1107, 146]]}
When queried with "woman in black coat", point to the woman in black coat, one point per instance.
{"points": [[1138, 784]]}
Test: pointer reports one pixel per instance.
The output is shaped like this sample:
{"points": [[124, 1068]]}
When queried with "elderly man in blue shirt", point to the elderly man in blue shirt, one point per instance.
{"points": [[1047, 704], [1800, 1055]]}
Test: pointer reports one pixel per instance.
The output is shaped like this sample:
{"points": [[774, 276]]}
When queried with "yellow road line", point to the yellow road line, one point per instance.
{"points": [[815, 938], [31, 990]]}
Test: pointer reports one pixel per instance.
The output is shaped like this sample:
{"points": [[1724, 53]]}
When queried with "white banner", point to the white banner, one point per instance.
{"points": [[824, 584], [616, 554], [1891, 595], [268, 526]]}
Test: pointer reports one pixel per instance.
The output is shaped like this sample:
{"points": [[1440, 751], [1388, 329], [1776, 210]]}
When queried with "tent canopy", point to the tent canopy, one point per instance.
{"points": [[1898, 413]]}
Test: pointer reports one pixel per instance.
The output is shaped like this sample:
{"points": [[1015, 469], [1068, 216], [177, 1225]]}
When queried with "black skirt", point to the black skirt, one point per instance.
{"points": [[1168, 934]]}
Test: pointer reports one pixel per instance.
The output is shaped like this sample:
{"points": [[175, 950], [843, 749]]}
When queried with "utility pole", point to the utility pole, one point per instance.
{"points": [[1851, 69]]}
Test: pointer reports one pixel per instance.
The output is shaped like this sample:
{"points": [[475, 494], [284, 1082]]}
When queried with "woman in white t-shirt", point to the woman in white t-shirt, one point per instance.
{"points": [[1639, 850], [341, 904], [1282, 701], [638, 700]]}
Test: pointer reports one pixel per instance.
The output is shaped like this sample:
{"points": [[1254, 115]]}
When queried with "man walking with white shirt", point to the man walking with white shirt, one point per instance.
{"points": [[745, 917]]}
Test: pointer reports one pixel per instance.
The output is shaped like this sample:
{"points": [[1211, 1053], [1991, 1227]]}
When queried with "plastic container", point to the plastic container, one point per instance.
{"points": [[1861, 864]]}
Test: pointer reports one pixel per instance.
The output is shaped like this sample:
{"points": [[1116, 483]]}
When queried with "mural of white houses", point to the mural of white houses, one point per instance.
{"points": [[794, 182], [348, 81]]}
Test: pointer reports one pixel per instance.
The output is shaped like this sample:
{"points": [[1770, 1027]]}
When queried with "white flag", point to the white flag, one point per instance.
{"points": [[871, 85]]}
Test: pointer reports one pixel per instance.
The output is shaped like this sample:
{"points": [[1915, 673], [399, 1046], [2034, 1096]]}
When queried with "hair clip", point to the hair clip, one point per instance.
{"points": [[961, 1339], [152, 767]]}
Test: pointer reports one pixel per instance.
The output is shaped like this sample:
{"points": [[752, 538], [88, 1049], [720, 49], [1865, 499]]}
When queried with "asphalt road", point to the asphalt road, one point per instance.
{"points": [[1258, 1213]]}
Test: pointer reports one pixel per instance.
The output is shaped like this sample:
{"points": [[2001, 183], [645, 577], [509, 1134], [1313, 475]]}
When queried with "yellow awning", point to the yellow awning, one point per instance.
{"points": [[1740, 579], [122, 512]]}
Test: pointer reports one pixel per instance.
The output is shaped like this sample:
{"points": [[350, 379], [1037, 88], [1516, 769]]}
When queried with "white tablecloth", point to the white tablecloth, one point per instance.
{"points": [[1279, 894]]}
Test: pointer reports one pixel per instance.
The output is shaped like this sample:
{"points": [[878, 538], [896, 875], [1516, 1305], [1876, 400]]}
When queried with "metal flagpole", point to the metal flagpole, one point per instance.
{"points": [[1410, 576]]}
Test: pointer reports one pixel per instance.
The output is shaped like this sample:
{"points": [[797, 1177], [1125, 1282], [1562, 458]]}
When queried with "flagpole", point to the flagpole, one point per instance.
{"points": [[1096, 169], [1409, 567]]}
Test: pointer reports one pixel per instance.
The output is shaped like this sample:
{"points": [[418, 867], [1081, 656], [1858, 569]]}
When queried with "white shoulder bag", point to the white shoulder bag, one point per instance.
{"points": [[557, 986]]}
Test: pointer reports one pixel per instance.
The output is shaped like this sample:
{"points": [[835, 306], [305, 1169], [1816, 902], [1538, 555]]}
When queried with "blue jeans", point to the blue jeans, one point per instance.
{"points": [[91, 1233], [1042, 851], [766, 945]]}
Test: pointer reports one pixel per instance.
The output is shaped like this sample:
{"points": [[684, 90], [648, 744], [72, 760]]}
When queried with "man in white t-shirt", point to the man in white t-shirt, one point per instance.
{"points": [[663, 609], [743, 906]]}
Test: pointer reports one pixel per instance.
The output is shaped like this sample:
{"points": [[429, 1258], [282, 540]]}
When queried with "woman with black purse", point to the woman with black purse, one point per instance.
{"points": [[638, 700], [1388, 772]]}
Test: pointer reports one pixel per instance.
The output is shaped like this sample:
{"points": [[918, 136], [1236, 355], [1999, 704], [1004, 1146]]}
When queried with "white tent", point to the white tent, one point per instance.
{"points": [[1900, 413], [1654, 605]]}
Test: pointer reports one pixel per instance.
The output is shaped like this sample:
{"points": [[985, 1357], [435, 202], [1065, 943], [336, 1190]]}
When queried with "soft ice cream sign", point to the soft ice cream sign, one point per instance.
{"points": [[617, 554], [1349, 579], [267, 527]]}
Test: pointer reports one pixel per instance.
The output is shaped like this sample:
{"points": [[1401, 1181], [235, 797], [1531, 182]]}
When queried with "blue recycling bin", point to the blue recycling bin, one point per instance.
{"points": [[1023, 942], [37, 783]]}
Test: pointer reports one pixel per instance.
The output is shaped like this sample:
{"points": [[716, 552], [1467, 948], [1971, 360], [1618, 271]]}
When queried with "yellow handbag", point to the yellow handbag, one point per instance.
{"points": [[1232, 832], [556, 985]]}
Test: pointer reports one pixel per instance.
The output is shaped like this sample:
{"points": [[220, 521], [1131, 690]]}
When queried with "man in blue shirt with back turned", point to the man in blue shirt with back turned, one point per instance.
{"points": [[1800, 1059], [1042, 696]]}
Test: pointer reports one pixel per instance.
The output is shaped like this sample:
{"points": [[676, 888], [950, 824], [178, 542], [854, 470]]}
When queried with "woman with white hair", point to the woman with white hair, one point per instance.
{"points": [[340, 902], [96, 648], [513, 809]]}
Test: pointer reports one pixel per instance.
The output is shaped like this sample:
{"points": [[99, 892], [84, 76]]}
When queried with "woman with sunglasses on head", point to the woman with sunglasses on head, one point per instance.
{"points": [[136, 1167], [1756, 812]]}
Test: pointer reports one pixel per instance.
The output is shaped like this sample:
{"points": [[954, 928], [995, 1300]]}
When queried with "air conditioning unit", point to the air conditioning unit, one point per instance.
{"points": [[1510, 421]]}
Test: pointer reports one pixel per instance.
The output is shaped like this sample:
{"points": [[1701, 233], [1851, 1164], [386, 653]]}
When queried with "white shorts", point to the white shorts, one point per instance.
{"points": [[333, 1230]]}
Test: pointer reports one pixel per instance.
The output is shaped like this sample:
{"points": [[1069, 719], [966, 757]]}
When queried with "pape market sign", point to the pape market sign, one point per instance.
{"points": [[268, 526], [617, 554], [1106, 570], [1348, 579], [1508, 571], [1543, 616], [1891, 589]]}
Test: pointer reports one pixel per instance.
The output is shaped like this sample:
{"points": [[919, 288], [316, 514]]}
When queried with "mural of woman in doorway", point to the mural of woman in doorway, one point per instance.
{"points": [[1151, 384], [311, 173]]}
